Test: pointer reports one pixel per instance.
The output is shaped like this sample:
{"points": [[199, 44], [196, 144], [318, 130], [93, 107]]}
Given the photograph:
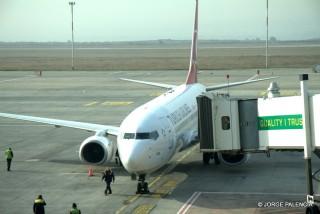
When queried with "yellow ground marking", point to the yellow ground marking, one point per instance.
{"points": [[131, 199], [165, 189], [91, 104], [156, 195], [167, 170], [155, 94], [116, 103], [144, 209]]}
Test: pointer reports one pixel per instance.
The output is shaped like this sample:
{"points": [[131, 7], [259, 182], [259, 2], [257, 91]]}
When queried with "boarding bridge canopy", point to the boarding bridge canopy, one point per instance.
{"points": [[256, 124]]}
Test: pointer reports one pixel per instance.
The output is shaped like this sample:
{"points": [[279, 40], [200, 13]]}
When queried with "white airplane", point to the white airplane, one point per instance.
{"points": [[151, 134]]}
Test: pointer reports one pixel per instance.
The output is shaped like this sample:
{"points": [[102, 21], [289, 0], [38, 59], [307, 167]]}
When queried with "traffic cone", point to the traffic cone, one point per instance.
{"points": [[90, 172]]}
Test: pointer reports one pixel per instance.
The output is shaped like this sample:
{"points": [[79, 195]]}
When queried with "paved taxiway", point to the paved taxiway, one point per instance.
{"points": [[46, 158]]}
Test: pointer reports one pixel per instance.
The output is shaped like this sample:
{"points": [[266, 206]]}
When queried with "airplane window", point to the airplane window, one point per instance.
{"points": [[225, 122], [128, 136]]}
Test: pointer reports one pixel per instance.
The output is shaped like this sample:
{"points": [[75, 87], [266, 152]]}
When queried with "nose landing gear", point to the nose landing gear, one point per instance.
{"points": [[142, 187]]}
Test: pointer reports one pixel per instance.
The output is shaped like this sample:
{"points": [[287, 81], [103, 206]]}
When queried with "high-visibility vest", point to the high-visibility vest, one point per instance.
{"points": [[38, 201], [74, 211], [9, 154]]}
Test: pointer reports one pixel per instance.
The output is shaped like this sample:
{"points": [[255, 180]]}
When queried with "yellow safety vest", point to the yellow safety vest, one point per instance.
{"points": [[38, 201], [9, 154]]}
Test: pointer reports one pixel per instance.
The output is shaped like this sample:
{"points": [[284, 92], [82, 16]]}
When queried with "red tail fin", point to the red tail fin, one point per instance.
{"points": [[193, 68]]}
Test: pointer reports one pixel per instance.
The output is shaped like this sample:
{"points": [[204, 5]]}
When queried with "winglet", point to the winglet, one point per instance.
{"points": [[193, 68]]}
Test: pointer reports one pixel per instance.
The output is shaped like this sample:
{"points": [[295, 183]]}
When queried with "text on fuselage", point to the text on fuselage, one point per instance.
{"points": [[179, 114]]}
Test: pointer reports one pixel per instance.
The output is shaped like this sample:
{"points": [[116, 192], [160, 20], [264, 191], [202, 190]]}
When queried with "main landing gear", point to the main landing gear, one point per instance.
{"points": [[142, 187]]}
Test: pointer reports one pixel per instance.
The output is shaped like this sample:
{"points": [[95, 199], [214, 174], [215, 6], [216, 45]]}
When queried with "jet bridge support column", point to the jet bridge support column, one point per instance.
{"points": [[307, 146], [306, 129]]}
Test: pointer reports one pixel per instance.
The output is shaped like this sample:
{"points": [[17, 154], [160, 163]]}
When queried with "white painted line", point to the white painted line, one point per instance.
{"points": [[186, 206], [91, 104], [32, 160], [73, 173], [10, 80], [255, 193]]}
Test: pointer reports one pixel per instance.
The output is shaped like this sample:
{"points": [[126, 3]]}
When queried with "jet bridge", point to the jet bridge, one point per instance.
{"points": [[234, 127], [255, 125]]}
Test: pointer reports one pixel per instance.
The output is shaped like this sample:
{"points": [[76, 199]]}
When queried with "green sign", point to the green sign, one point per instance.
{"points": [[280, 122]]}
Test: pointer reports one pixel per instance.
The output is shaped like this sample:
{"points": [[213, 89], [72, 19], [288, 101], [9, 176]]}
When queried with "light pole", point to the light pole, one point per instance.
{"points": [[71, 5], [267, 39]]}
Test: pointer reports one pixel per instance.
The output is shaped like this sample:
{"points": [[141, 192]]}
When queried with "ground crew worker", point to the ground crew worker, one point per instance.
{"points": [[9, 155], [74, 209], [108, 177], [38, 206]]}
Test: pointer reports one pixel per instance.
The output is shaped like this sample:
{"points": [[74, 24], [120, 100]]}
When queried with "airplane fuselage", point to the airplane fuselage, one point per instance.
{"points": [[151, 134]]}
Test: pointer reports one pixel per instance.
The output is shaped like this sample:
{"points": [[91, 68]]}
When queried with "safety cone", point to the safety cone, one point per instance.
{"points": [[90, 172]]}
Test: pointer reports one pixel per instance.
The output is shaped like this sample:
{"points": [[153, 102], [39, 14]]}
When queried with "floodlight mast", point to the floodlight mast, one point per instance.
{"points": [[72, 60]]}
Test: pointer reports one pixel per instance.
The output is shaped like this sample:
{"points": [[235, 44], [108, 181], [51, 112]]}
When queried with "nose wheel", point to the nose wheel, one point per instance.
{"points": [[142, 186]]}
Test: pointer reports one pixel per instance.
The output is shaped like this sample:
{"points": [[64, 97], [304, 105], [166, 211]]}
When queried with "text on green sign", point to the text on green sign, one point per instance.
{"points": [[280, 122]]}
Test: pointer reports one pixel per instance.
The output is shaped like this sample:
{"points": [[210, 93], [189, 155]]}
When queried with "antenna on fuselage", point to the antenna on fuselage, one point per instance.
{"points": [[193, 67]]}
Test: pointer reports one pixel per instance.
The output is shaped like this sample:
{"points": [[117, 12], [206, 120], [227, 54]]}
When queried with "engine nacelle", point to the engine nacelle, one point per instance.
{"points": [[233, 159], [97, 150]]}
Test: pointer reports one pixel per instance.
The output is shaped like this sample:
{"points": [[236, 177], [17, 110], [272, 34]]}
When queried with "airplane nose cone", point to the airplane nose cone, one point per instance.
{"points": [[133, 164], [135, 157]]}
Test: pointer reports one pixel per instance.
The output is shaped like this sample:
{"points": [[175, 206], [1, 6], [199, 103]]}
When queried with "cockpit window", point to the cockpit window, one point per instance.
{"points": [[128, 136], [142, 135], [154, 135]]}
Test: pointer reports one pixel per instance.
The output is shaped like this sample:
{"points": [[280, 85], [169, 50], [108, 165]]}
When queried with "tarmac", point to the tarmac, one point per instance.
{"points": [[46, 158]]}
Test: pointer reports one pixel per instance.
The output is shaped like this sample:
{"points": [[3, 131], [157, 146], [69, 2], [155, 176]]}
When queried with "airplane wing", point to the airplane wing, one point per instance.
{"points": [[226, 85], [161, 85], [112, 130]]}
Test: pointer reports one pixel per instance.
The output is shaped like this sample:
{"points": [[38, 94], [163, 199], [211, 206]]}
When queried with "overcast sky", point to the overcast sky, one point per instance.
{"points": [[122, 20]]}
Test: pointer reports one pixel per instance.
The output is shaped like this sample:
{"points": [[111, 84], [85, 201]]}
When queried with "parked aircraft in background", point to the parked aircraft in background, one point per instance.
{"points": [[152, 133]]}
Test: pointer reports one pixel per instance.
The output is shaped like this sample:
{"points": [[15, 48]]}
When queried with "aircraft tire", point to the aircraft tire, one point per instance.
{"points": [[216, 158], [206, 158], [139, 188], [145, 188]]}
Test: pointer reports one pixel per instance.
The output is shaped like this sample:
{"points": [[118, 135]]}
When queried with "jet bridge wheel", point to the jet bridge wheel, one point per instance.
{"points": [[206, 156], [314, 209], [216, 158]]}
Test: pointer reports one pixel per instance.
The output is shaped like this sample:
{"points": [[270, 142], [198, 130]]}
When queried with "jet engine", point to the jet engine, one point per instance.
{"points": [[97, 150], [233, 159]]}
